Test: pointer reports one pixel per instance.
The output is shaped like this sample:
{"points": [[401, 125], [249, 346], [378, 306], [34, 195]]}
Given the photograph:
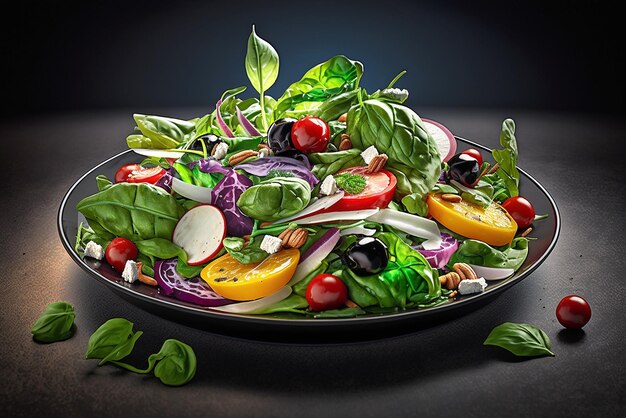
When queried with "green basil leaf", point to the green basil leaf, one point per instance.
{"points": [[331, 109], [175, 363], [294, 303], [507, 158], [327, 163], [103, 182], [160, 248], [482, 254], [250, 254], [113, 340], [56, 323], [275, 198], [520, 339], [444, 188], [262, 63], [158, 132]]}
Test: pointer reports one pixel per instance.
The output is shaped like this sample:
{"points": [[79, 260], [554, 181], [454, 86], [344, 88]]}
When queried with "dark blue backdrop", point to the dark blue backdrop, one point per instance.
{"points": [[139, 54]]}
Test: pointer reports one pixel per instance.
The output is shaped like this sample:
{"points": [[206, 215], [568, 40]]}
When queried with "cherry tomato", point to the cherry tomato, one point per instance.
{"points": [[119, 251], [573, 312], [521, 210], [310, 134], [325, 292], [377, 194], [474, 153], [134, 173]]}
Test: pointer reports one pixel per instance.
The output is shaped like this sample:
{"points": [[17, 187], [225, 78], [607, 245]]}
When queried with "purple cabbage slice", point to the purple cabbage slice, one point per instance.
{"points": [[193, 290], [439, 258], [262, 166], [209, 165], [225, 195], [165, 182]]}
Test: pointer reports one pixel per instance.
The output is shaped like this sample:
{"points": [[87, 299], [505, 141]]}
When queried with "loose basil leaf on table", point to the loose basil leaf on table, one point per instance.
{"points": [[520, 339], [113, 340], [262, 64], [56, 323]]}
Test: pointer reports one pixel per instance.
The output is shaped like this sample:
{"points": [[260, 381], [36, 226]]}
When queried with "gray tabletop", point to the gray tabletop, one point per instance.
{"points": [[442, 370]]}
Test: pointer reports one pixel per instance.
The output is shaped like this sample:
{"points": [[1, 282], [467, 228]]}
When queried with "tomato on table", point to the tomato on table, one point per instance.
{"points": [[310, 134], [233, 280], [135, 173], [492, 224], [521, 210], [119, 251], [378, 192], [326, 292], [573, 312]]}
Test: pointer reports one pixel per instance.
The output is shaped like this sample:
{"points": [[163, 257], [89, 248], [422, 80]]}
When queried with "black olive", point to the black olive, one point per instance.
{"points": [[464, 169], [279, 135], [296, 155], [367, 256], [209, 141]]}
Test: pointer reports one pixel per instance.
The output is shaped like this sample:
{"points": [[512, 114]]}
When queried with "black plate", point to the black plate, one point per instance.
{"points": [[313, 330]]}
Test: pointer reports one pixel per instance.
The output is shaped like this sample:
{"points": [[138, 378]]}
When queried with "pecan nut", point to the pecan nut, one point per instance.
{"points": [[465, 271], [450, 281], [241, 156], [377, 163], [294, 238], [345, 143], [343, 118], [449, 197]]}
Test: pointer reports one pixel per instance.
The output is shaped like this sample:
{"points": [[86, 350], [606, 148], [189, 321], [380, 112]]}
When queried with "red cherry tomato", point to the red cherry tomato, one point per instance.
{"points": [[310, 134], [119, 251], [521, 210], [326, 292], [474, 153], [573, 312], [377, 194], [134, 173]]}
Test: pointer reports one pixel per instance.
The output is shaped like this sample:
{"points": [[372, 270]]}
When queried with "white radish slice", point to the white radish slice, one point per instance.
{"points": [[314, 256], [200, 233], [358, 230], [159, 153], [411, 224], [492, 273], [253, 305], [443, 137], [354, 215], [319, 205], [191, 191]]}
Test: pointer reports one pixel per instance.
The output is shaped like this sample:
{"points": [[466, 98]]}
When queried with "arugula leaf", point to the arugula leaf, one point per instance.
{"points": [[520, 339], [262, 65], [507, 158]]}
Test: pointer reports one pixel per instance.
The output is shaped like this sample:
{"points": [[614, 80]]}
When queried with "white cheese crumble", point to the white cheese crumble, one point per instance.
{"points": [[264, 152], [329, 186], [369, 154], [220, 150], [467, 287], [94, 250], [131, 272], [271, 244]]}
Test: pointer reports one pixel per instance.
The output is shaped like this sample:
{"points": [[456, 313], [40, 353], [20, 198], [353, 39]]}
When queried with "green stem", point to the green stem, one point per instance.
{"points": [[132, 368], [263, 116], [403, 72]]}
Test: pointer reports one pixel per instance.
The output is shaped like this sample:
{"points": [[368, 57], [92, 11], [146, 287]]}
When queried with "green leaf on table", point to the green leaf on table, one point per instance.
{"points": [[113, 340], [520, 339], [56, 323]]}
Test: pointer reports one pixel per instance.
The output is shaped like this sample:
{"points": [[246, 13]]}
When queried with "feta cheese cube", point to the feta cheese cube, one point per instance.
{"points": [[220, 150], [131, 272], [369, 154], [94, 250], [467, 287], [329, 186], [271, 244]]}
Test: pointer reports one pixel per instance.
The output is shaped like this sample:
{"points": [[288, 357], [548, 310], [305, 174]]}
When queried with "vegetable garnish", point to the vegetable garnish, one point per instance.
{"points": [[520, 339], [254, 200], [56, 323]]}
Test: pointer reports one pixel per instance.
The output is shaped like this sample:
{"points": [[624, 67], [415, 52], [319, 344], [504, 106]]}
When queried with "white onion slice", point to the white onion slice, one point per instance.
{"points": [[353, 215], [159, 153], [320, 204], [411, 224], [191, 191], [492, 273], [253, 305], [358, 230]]}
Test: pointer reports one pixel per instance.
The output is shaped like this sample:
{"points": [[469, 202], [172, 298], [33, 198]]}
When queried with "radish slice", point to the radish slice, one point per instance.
{"points": [[411, 224], [191, 191], [317, 206], [159, 153], [358, 230], [253, 305], [443, 137], [314, 256], [200, 233], [492, 273], [355, 215]]}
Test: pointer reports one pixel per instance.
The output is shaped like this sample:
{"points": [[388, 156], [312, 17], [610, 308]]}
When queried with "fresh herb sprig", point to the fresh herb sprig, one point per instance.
{"points": [[351, 183]]}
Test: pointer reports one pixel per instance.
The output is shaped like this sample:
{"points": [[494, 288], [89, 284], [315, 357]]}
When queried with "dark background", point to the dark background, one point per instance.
{"points": [[141, 55]]}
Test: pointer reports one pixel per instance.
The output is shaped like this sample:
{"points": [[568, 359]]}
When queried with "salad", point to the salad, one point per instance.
{"points": [[327, 202]]}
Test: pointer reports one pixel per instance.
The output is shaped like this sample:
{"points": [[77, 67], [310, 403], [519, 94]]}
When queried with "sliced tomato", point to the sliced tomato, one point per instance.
{"points": [[377, 193], [134, 173]]}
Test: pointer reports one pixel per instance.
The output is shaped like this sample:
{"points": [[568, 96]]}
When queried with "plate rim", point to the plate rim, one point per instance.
{"points": [[310, 322]]}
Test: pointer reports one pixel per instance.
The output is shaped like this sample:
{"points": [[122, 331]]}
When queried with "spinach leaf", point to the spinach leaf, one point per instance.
{"points": [[113, 340], [300, 287], [322, 82], [188, 271], [275, 198], [84, 234], [103, 182], [507, 158], [482, 254], [331, 109], [136, 211], [326, 163], [262, 65], [246, 254], [339, 313], [56, 323], [520, 339], [160, 248], [202, 179], [158, 132], [481, 194], [444, 188], [413, 154], [294, 303]]}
